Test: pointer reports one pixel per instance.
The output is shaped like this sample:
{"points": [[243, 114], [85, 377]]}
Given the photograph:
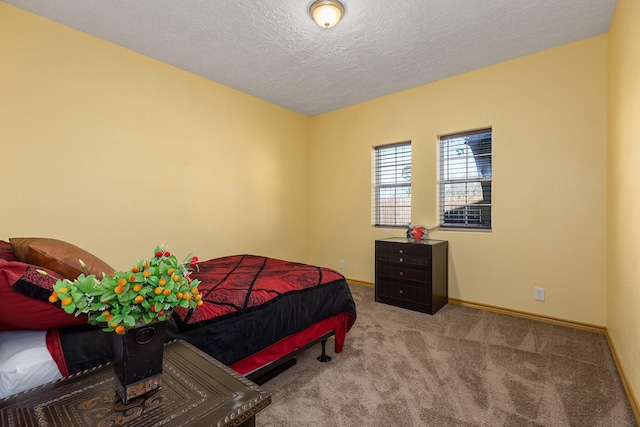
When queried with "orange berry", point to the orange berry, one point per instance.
{"points": [[137, 287], [146, 273], [147, 264], [122, 281], [63, 289], [170, 271], [157, 290], [118, 289], [195, 291], [162, 282], [120, 330], [197, 297], [135, 269], [67, 301], [166, 292], [179, 295], [113, 325], [53, 298], [186, 296], [139, 299], [175, 278], [105, 313], [109, 317], [199, 303]]}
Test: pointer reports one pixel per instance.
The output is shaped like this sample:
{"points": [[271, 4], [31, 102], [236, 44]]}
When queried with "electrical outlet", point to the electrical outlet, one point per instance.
{"points": [[342, 264], [538, 294]]}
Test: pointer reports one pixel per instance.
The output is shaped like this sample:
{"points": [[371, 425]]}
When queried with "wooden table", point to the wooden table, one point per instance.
{"points": [[197, 390]]}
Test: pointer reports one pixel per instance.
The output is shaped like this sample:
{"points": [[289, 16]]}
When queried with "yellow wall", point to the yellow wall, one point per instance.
{"points": [[623, 313], [549, 117], [116, 152]]}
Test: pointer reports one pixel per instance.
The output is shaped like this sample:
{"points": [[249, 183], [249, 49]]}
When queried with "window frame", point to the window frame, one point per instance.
{"points": [[400, 162], [474, 215]]}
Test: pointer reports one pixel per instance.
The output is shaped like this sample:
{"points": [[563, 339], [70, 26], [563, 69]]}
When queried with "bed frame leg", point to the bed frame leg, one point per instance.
{"points": [[323, 356]]}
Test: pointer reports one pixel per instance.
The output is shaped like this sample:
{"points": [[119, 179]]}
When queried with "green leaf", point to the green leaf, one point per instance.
{"points": [[109, 282], [116, 319], [107, 296], [127, 298], [147, 317], [158, 306], [129, 321], [97, 306]]}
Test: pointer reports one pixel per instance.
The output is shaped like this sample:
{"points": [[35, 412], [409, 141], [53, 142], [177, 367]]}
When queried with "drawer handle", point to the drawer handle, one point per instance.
{"points": [[400, 251], [401, 291], [401, 260], [401, 273]]}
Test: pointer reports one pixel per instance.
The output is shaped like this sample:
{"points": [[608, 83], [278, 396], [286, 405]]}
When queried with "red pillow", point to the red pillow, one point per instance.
{"points": [[6, 252], [18, 311]]}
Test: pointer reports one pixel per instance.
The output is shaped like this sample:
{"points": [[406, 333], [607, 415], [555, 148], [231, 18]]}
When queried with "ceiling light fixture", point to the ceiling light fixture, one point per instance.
{"points": [[326, 13]]}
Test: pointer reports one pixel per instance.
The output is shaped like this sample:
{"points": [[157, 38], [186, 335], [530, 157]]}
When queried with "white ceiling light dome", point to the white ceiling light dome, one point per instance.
{"points": [[326, 13]]}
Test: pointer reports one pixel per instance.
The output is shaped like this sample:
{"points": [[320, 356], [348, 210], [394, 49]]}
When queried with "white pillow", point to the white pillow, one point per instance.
{"points": [[25, 361]]}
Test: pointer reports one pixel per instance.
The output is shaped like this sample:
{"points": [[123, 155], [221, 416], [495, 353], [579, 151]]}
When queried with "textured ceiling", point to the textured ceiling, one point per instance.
{"points": [[273, 50]]}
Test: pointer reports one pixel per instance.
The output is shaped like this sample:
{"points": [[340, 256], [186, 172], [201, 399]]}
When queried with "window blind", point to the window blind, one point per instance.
{"points": [[392, 185], [466, 180]]}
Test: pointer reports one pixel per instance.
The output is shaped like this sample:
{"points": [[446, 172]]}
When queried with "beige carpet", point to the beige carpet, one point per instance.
{"points": [[461, 367]]}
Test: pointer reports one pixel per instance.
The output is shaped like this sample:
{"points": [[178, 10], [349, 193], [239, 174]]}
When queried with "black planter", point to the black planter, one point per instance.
{"points": [[137, 360]]}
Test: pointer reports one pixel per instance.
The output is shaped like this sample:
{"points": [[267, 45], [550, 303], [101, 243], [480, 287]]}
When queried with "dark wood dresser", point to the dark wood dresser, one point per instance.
{"points": [[197, 390], [412, 274]]}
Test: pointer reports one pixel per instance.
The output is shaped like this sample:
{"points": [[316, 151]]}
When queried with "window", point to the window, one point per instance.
{"points": [[392, 185], [465, 180]]}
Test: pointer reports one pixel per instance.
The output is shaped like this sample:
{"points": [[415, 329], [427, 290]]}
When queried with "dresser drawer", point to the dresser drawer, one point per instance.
{"points": [[400, 258], [404, 249], [404, 273], [402, 291]]}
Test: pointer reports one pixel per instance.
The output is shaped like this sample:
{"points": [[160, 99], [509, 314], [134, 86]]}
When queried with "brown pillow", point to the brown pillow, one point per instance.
{"points": [[59, 256]]}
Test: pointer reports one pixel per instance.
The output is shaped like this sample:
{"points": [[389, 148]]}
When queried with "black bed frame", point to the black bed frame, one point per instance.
{"points": [[271, 370]]}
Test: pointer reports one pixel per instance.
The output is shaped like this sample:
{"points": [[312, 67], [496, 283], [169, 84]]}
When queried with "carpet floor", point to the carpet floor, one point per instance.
{"points": [[460, 367]]}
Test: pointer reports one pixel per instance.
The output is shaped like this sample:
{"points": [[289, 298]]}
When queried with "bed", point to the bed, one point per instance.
{"points": [[258, 313]]}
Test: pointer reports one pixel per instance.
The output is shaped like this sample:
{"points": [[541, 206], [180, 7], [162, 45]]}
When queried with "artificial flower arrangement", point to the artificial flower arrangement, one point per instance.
{"points": [[148, 291]]}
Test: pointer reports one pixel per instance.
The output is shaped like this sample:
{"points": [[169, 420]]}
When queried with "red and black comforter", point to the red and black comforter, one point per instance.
{"points": [[250, 303]]}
